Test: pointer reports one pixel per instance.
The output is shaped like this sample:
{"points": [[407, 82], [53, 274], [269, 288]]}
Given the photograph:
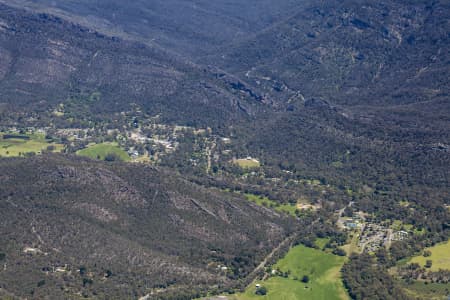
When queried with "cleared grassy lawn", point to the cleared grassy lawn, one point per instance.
{"points": [[399, 225], [264, 201], [99, 151], [323, 270], [321, 242], [247, 163], [440, 256], [431, 291], [13, 147]]}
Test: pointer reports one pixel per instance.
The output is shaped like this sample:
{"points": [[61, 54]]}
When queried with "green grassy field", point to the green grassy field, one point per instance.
{"points": [[13, 147], [439, 256], [399, 225], [323, 270], [99, 151], [431, 291], [264, 201], [321, 242], [247, 163]]}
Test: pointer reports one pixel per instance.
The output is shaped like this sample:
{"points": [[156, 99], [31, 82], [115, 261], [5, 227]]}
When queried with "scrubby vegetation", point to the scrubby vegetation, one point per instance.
{"points": [[365, 280], [134, 215]]}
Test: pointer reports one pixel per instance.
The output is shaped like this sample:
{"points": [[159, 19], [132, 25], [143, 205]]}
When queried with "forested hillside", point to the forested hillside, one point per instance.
{"points": [[47, 61], [191, 28], [75, 223]]}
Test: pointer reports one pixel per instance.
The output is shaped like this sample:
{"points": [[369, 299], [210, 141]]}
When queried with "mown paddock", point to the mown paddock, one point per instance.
{"points": [[13, 145], [247, 163], [323, 270], [440, 257], [100, 151], [429, 291], [264, 201]]}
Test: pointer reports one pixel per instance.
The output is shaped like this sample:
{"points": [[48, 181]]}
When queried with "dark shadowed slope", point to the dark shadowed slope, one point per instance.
{"points": [[351, 53], [189, 28], [330, 111], [379, 60], [47, 61], [382, 65]]}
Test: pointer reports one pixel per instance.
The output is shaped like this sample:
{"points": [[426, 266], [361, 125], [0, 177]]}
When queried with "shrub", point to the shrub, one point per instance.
{"points": [[112, 157], [339, 252], [261, 291], [41, 283]]}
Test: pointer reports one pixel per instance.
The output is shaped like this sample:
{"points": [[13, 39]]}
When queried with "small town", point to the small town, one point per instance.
{"points": [[370, 236]]}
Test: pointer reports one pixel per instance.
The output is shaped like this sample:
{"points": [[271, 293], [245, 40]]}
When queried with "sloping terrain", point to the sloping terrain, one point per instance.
{"points": [[352, 92], [351, 52], [122, 230], [310, 97], [370, 78], [383, 65], [47, 61], [191, 28]]}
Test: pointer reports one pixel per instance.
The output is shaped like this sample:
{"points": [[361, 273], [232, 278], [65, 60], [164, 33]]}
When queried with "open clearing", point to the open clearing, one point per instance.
{"points": [[264, 201], [430, 291], [21, 144], [99, 151], [352, 246], [439, 256], [247, 163], [323, 270], [321, 242]]}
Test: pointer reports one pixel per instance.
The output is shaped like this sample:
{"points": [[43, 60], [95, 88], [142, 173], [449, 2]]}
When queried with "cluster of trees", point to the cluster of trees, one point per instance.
{"points": [[364, 275], [413, 271], [364, 279], [261, 291]]}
